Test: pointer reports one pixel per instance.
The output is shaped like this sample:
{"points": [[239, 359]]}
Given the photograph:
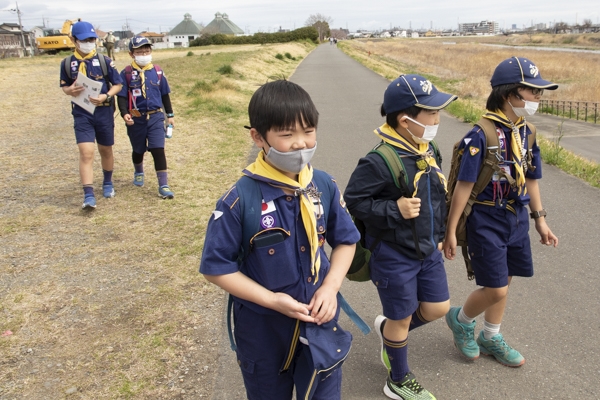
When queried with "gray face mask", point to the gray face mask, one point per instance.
{"points": [[291, 161]]}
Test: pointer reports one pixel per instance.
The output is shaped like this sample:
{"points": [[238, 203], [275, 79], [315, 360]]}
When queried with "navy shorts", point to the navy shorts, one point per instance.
{"points": [[263, 346], [99, 127], [147, 133], [403, 282], [499, 244]]}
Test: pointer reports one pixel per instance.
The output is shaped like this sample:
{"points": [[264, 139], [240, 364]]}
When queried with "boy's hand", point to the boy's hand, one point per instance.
{"points": [[74, 90], [288, 306], [546, 236], [409, 207], [450, 246], [128, 119], [323, 305]]}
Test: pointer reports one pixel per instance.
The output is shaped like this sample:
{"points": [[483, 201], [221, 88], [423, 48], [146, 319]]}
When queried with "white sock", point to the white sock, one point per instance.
{"points": [[462, 317], [490, 330]]}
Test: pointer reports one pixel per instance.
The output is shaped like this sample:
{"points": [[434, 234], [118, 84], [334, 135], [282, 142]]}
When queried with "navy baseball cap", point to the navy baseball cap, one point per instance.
{"points": [[83, 30], [138, 41], [520, 70], [414, 90]]}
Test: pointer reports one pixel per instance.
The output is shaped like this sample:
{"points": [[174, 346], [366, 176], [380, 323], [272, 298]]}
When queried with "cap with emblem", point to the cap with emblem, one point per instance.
{"points": [[414, 90], [83, 30], [138, 41], [520, 70]]}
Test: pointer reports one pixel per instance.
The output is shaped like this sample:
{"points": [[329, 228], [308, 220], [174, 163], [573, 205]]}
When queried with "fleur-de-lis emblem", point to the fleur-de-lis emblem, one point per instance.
{"points": [[426, 86], [533, 70]]}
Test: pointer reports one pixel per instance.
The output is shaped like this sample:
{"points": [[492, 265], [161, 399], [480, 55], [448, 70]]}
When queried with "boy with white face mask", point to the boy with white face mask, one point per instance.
{"points": [[498, 225], [97, 127], [404, 225], [143, 103]]}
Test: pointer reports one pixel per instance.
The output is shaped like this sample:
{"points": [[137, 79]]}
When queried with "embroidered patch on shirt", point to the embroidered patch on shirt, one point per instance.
{"points": [[95, 62], [217, 214], [268, 221], [268, 207], [467, 141], [473, 150]]}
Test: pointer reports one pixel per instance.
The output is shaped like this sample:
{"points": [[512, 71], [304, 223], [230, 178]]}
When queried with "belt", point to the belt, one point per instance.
{"points": [[504, 203], [144, 113]]}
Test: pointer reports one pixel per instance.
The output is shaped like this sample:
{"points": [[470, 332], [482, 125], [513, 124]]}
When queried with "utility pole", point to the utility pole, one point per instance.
{"points": [[21, 29]]}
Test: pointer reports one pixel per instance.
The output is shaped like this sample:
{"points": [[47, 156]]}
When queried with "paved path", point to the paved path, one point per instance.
{"points": [[552, 318]]}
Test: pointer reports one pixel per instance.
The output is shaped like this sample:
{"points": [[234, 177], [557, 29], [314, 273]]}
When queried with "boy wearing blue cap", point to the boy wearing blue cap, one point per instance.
{"points": [[99, 126], [283, 287], [498, 226], [404, 224], [143, 102]]}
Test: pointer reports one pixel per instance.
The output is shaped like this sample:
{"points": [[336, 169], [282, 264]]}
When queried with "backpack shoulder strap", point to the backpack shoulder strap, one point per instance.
{"points": [[531, 139], [394, 163], [159, 72], [436, 152], [325, 186], [66, 64], [250, 197]]}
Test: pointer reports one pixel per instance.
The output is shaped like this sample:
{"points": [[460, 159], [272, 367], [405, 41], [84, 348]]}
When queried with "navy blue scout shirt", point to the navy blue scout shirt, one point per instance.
{"points": [[156, 86], [474, 144], [94, 72], [281, 267], [371, 196]]}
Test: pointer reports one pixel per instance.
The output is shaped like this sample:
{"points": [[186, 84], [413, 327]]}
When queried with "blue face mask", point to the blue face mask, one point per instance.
{"points": [[291, 161]]}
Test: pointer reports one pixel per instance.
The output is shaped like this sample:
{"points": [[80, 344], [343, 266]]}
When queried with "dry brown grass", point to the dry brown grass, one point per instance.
{"points": [[465, 66], [110, 302]]}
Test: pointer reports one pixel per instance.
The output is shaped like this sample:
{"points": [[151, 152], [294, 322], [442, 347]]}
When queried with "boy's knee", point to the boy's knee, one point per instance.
{"points": [[433, 311], [495, 295]]}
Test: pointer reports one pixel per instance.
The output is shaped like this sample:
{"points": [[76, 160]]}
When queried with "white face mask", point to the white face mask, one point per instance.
{"points": [[428, 134], [291, 161], [142, 61], [529, 109], [86, 47]]}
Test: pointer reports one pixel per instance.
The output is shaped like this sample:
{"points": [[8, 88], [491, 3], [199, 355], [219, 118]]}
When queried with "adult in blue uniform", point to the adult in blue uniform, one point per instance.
{"points": [[143, 102], [284, 290], [405, 226], [99, 126], [498, 226]]}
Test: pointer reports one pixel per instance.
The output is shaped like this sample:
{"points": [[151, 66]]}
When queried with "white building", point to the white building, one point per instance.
{"points": [[186, 31]]}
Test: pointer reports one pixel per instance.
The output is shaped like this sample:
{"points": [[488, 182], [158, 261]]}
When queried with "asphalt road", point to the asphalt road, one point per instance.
{"points": [[553, 319]]}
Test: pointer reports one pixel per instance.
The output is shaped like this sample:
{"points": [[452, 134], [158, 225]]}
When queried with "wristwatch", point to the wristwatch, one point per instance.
{"points": [[108, 97], [538, 214]]}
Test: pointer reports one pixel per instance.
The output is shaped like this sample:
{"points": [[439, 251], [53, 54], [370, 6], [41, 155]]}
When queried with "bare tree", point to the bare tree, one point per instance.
{"points": [[321, 23]]}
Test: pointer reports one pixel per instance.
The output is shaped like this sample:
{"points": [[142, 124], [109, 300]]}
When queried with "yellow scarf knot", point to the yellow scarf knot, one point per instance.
{"points": [[142, 71], [425, 156], [82, 59]]}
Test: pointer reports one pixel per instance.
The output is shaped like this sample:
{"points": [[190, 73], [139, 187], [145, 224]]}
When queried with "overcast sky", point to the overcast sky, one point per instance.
{"points": [[267, 15]]}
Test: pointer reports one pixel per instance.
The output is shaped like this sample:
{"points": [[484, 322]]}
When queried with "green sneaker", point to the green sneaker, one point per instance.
{"points": [[407, 389], [379, 323], [502, 352], [464, 335]]}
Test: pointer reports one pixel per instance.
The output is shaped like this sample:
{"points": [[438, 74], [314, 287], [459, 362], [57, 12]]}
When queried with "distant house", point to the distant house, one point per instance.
{"points": [[11, 41], [186, 31], [222, 24]]}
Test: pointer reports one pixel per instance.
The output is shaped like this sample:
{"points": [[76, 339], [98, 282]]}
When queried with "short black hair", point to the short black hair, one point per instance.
{"points": [[281, 104], [392, 118], [500, 93]]}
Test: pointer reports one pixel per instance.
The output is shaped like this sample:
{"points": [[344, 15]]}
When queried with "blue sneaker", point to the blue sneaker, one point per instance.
{"points": [[138, 179], [108, 190], [502, 352], [464, 335], [379, 323], [165, 192], [89, 202]]}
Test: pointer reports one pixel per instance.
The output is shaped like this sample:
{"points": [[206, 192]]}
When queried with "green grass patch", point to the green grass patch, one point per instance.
{"points": [[465, 110], [226, 69], [279, 56]]}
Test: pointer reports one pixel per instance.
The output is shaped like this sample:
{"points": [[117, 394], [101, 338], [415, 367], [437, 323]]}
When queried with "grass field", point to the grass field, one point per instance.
{"points": [[109, 303]]}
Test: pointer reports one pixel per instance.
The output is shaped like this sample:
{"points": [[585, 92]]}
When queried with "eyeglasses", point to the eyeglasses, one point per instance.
{"points": [[535, 91], [142, 52]]}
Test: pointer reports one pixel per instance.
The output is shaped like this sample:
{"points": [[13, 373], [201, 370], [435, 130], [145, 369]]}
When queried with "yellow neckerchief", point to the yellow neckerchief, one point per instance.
{"points": [[82, 64], [515, 144], [262, 171], [390, 136], [142, 74]]}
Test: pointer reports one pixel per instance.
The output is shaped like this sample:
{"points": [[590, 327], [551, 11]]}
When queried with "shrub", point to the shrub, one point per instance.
{"points": [[279, 56], [190, 53], [225, 69], [288, 55]]}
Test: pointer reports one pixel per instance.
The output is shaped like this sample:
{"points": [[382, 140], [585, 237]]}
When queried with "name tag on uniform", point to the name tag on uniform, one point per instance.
{"points": [[74, 63], [136, 92], [506, 169], [95, 62]]}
